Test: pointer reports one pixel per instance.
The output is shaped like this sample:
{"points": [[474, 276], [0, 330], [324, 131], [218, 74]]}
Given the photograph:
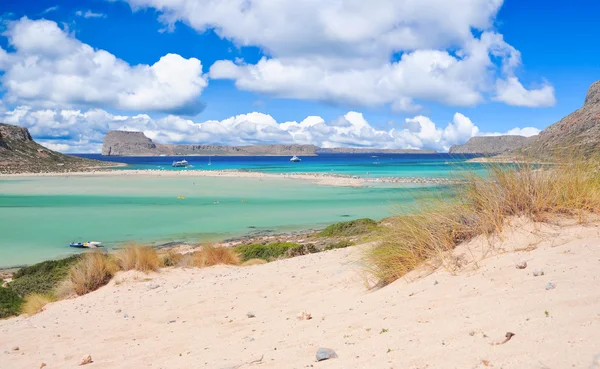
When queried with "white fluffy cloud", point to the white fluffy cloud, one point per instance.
{"points": [[83, 131], [51, 68], [370, 53], [89, 14]]}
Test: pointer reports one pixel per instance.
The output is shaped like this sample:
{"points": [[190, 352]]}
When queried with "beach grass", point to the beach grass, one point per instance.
{"points": [[171, 258], [210, 255], [93, 271], [482, 205], [35, 303], [339, 245], [138, 257], [254, 262], [349, 228]]}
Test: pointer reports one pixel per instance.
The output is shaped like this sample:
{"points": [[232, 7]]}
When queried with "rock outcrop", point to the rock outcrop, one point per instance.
{"points": [[490, 145], [19, 153], [354, 150], [124, 143], [577, 133]]}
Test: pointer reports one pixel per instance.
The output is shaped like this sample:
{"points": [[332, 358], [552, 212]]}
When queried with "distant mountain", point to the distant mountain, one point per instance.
{"points": [[490, 145], [19, 153], [125, 143], [577, 133], [352, 150]]}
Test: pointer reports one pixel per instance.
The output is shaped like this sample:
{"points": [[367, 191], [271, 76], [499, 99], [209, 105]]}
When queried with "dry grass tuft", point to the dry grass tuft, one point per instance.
{"points": [[35, 303], [93, 271], [171, 258], [64, 290], [210, 255], [141, 258], [481, 205], [254, 262]]}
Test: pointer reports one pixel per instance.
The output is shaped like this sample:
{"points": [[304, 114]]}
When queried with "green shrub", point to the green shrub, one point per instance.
{"points": [[339, 245], [41, 278], [10, 303], [266, 252], [351, 228]]}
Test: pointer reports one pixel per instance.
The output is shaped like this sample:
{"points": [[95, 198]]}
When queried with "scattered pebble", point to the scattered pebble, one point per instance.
{"points": [[152, 286], [118, 311], [521, 265], [251, 315], [550, 286], [42, 365], [538, 272], [325, 354], [125, 316], [16, 348], [436, 283], [304, 316], [86, 360]]}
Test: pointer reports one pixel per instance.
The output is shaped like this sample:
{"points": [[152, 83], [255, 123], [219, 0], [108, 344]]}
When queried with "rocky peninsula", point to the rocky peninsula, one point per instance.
{"points": [[490, 145], [128, 143]]}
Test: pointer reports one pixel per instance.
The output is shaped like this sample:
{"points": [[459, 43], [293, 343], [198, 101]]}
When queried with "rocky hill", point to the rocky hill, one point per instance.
{"points": [[353, 150], [124, 143], [577, 133], [19, 153], [490, 145]]}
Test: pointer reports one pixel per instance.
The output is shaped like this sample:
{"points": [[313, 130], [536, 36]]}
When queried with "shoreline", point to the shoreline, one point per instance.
{"points": [[328, 179]]}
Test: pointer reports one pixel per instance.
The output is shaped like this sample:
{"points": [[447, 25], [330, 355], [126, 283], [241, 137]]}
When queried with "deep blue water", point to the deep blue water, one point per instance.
{"points": [[370, 165]]}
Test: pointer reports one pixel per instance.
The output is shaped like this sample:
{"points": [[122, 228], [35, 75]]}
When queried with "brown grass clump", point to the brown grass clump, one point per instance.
{"points": [[210, 255], [64, 290], [171, 258], [35, 303], [481, 205], [93, 271], [141, 258], [254, 262]]}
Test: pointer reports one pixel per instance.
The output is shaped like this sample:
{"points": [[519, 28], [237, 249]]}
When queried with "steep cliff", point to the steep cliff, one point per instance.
{"points": [[123, 143], [19, 153], [490, 145], [577, 133]]}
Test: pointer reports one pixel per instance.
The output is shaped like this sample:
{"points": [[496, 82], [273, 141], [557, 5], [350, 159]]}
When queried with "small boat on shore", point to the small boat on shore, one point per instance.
{"points": [[295, 159], [180, 163], [86, 245]]}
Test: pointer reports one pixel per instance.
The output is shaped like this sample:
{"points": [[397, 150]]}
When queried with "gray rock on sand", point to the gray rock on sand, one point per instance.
{"points": [[550, 286], [251, 315], [538, 272], [521, 265], [152, 286], [325, 354]]}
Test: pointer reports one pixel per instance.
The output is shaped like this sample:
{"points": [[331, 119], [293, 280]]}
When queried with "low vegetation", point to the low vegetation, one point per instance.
{"points": [[171, 258], [339, 245], [481, 206], [350, 228], [10, 303], [210, 255], [93, 271], [266, 252], [136, 257], [42, 277]]}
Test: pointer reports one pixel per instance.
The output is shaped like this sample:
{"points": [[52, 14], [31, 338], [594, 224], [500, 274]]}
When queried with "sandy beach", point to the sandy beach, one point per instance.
{"points": [[327, 179], [453, 317]]}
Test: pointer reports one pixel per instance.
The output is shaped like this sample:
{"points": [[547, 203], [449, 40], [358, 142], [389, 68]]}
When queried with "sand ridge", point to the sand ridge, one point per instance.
{"points": [[197, 318]]}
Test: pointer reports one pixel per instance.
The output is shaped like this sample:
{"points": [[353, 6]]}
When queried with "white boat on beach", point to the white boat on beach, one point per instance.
{"points": [[181, 163], [295, 159]]}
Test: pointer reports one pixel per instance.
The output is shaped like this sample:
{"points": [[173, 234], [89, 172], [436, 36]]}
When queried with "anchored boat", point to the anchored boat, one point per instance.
{"points": [[181, 163], [295, 159], [86, 245]]}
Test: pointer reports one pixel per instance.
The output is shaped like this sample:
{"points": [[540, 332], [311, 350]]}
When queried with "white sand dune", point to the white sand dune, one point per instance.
{"points": [[197, 318]]}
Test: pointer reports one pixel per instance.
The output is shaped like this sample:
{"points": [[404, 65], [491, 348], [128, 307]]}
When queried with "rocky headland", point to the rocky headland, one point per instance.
{"points": [[490, 145], [127, 143], [19, 153]]}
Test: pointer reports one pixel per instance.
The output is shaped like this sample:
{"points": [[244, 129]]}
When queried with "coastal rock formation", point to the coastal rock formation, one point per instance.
{"points": [[490, 145], [124, 143], [353, 150], [19, 153], [579, 132]]}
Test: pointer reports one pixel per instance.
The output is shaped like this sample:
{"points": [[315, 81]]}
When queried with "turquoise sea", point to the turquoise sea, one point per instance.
{"points": [[40, 216]]}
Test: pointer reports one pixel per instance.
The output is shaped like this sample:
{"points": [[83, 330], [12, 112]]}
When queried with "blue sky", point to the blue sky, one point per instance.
{"points": [[382, 74]]}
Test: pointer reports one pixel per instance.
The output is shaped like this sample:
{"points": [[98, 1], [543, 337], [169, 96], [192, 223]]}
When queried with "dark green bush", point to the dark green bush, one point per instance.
{"points": [[266, 252], [41, 277], [10, 303], [350, 228], [339, 245]]}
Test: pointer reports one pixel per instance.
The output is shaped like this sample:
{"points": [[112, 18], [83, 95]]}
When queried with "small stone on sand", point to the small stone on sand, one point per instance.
{"points": [[521, 265], [86, 360], [325, 354]]}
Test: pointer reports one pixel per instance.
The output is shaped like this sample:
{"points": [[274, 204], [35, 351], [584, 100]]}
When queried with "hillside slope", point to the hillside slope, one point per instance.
{"points": [[19, 153], [490, 145], [579, 132]]}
